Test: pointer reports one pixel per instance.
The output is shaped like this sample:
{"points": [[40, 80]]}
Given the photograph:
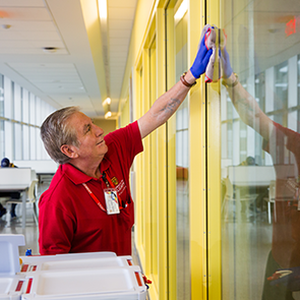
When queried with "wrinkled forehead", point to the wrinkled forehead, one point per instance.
{"points": [[79, 121]]}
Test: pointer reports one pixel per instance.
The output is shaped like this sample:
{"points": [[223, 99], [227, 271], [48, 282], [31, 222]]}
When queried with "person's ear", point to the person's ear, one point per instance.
{"points": [[69, 151]]}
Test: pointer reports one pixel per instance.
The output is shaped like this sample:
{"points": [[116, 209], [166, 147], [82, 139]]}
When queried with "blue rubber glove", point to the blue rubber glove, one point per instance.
{"points": [[201, 60], [225, 61], [287, 277]]}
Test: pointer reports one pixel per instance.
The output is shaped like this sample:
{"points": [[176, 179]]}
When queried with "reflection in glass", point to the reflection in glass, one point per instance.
{"points": [[260, 132], [182, 170], [2, 138], [2, 132], [153, 161]]}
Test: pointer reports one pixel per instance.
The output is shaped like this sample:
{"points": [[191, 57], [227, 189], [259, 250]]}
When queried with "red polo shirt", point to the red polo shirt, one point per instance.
{"points": [[284, 147], [70, 220]]}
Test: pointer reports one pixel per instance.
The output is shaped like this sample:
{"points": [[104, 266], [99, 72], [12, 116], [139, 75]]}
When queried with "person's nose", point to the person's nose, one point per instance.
{"points": [[98, 131]]}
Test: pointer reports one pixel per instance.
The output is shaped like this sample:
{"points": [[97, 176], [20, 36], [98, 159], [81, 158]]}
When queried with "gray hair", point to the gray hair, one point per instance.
{"points": [[55, 132]]}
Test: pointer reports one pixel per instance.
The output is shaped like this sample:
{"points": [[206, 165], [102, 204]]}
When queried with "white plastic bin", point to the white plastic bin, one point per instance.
{"points": [[80, 276], [106, 283], [74, 261], [11, 285]]}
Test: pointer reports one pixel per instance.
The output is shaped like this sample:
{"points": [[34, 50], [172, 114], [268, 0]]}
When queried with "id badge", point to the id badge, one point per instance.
{"points": [[111, 200]]}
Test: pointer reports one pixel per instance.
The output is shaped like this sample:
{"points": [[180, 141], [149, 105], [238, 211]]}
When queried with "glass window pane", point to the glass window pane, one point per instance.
{"points": [[18, 141], [17, 103], [32, 139], [39, 145], [1, 96], [25, 140], [7, 98], [182, 167], [281, 85], [2, 138], [153, 162], [25, 100], [259, 149], [32, 109]]}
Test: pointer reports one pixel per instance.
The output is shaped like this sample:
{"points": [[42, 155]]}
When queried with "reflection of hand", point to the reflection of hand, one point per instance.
{"points": [[225, 60], [201, 60], [287, 277]]}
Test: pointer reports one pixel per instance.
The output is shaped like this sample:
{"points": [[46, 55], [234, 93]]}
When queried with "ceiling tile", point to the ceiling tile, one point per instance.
{"points": [[27, 26], [122, 43], [122, 13], [40, 35], [122, 3], [119, 32], [27, 3], [25, 13], [118, 24]]}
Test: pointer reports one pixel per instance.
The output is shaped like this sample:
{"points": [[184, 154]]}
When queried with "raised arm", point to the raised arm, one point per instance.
{"points": [[245, 104], [165, 106]]}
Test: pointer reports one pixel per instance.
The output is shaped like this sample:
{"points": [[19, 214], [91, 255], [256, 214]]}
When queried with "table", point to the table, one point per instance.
{"points": [[45, 174], [249, 177], [237, 187], [22, 188]]}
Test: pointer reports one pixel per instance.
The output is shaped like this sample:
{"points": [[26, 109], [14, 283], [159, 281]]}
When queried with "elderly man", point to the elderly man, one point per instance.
{"points": [[88, 206]]}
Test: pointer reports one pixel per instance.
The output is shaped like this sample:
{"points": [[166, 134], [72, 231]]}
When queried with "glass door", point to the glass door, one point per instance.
{"points": [[182, 166], [259, 160]]}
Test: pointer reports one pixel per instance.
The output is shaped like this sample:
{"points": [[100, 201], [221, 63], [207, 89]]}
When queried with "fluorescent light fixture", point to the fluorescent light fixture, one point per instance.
{"points": [[107, 101], [102, 7], [181, 11], [107, 115]]}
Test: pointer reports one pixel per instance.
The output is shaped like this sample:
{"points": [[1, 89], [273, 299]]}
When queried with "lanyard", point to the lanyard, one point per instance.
{"points": [[94, 197], [108, 183]]}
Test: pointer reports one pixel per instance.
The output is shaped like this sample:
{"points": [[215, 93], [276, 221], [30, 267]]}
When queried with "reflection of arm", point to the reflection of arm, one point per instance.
{"points": [[248, 108]]}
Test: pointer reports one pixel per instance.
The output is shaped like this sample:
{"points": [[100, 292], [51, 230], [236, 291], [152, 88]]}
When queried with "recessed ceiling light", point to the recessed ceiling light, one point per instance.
{"points": [[49, 49]]}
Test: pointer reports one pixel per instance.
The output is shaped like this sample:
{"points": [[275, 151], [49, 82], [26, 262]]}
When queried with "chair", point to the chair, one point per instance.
{"points": [[233, 195], [229, 194], [31, 198], [271, 199], [4, 199]]}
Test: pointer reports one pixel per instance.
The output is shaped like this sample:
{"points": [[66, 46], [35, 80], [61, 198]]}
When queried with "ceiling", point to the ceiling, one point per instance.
{"points": [[89, 62]]}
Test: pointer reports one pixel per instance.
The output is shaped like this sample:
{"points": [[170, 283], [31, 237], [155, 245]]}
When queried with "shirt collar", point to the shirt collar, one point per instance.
{"points": [[78, 177]]}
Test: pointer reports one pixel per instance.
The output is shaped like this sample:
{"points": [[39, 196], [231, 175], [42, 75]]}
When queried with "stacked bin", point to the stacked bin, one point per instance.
{"points": [[100, 275], [11, 283]]}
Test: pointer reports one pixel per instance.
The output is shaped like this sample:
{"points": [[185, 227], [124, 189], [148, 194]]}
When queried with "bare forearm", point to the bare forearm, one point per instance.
{"points": [[165, 106]]}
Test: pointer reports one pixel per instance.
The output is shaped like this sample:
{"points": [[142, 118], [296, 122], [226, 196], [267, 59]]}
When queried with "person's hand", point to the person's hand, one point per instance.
{"points": [[225, 62], [201, 60], [287, 277]]}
